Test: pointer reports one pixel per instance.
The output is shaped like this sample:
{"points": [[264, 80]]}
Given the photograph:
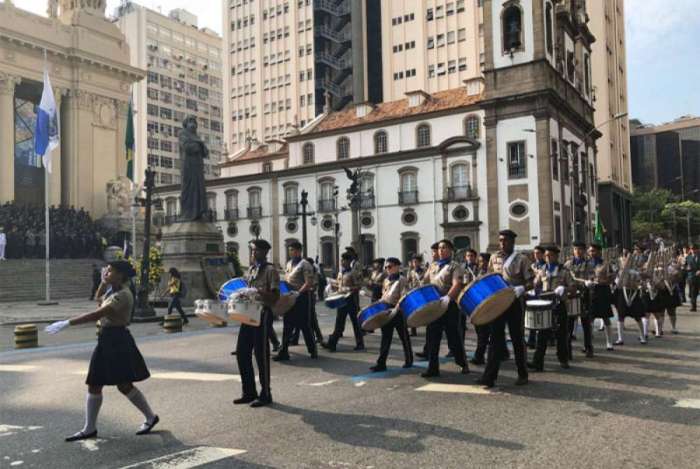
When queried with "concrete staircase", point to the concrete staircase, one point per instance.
{"points": [[25, 279]]}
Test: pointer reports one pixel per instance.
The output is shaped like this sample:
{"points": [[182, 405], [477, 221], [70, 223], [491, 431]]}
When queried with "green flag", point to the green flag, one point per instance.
{"points": [[599, 237], [129, 142]]}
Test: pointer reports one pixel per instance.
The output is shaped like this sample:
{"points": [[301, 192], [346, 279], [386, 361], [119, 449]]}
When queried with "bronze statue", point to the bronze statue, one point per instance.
{"points": [[193, 193]]}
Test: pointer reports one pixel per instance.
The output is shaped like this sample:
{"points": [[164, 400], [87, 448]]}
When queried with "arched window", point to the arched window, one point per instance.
{"points": [[549, 29], [291, 199], [307, 152], [211, 201], [423, 135], [460, 175], [381, 144], [471, 127], [409, 182], [367, 191], [254, 202], [512, 28], [326, 201], [343, 148]]}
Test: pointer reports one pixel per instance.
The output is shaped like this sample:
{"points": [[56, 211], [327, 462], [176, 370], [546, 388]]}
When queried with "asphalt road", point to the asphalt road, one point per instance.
{"points": [[636, 407]]}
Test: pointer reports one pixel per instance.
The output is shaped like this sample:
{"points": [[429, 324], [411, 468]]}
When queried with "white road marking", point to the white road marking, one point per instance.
{"points": [[454, 388], [7, 430], [18, 368], [322, 383], [688, 403], [188, 376], [16, 463], [360, 384], [189, 458], [36, 450]]}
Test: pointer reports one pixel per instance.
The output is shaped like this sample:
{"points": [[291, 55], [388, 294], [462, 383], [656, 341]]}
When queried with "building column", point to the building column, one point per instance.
{"points": [[7, 137], [544, 176]]}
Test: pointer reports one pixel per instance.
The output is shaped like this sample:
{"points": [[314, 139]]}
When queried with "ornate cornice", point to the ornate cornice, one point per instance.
{"points": [[8, 83]]}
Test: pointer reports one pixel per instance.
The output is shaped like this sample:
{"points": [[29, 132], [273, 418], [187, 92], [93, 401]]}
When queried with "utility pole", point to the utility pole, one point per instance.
{"points": [[144, 310], [304, 204], [354, 198]]}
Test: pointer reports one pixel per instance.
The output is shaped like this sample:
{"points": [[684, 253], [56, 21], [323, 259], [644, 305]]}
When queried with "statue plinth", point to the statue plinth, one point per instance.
{"points": [[196, 250]]}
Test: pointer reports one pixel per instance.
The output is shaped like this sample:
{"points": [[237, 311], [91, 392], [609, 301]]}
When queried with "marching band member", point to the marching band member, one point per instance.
{"points": [[692, 269], [554, 277], [415, 278], [299, 274], [116, 360], [314, 317], [349, 281], [264, 281], [392, 290], [376, 279], [673, 285], [483, 333], [515, 269], [598, 283], [537, 265], [446, 275], [630, 297], [435, 257], [578, 267]]}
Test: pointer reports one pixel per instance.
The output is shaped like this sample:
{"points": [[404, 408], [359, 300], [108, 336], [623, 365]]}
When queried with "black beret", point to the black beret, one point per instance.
{"points": [[123, 267], [378, 260], [295, 245], [393, 261], [579, 244], [260, 244], [508, 233], [596, 246], [434, 246], [417, 257], [552, 248], [539, 248], [473, 251], [351, 250]]}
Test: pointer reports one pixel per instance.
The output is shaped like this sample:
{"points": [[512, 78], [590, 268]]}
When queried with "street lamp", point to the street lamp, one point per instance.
{"points": [[143, 309], [304, 214]]}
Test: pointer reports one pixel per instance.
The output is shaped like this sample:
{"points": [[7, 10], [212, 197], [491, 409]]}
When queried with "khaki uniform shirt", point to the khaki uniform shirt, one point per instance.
{"points": [[415, 278], [350, 280], [297, 275], [601, 273], [518, 272], [265, 279], [550, 280], [579, 272], [120, 303], [391, 295], [377, 278], [443, 277], [471, 273]]}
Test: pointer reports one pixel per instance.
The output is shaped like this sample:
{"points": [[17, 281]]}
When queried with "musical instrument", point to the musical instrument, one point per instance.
{"points": [[574, 307], [337, 300], [486, 299], [376, 315], [231, 287], [288, 297], [538, 315], [210, 311], [245, 311], [421, 306]]}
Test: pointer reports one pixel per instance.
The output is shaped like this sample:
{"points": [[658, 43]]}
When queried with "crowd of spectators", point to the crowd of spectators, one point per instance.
{"points": [[73, 234]]}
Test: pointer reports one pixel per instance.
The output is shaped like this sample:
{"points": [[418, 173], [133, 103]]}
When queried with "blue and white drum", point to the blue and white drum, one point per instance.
{"points": [[375, 315], [486, 299], [288, 297], [337, 300], [231, 287], [421, 306]]}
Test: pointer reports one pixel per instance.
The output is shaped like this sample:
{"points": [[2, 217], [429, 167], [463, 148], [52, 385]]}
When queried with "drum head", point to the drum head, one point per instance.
{"points": [[426, 314], [283, 305], [492, 308], [377, 321], [539, 303]]}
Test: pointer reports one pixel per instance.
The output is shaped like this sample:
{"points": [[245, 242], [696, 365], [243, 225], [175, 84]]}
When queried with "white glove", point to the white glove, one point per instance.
{"points": [[329, 289], [588, 283], [519, 291], [559, 291], [445, 301], [617, 282], [56, 327], [364, 293]]}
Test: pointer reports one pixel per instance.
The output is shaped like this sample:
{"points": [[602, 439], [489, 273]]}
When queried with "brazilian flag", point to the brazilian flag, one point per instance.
{"points": [[129, 142], [599, 236]]}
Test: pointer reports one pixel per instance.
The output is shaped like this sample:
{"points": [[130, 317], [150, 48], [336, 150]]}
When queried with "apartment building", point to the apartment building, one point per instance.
{"points": [[184, 78]]}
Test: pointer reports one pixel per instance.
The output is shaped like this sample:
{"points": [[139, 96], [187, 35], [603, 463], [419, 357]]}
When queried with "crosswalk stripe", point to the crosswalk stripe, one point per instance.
{"points": [[189, 458], [688, 403], [454, 388], [191, 376], [18, 368]]}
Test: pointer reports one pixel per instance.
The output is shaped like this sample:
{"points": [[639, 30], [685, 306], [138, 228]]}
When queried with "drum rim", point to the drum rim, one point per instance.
{"points": [[385, 316], [499, 294], [539, 302], [475, 281], [413, 290], [417, 312], [227, 281]]}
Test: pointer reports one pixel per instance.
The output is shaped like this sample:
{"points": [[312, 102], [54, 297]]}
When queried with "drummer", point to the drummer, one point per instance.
{"points": [[598, 283], [553, 278], [299, 274], [264, 281], [483, 332], [537, 264], [446, 275], [376, 279], [349, 281], [515, 269], [432, 265], [471, 273], [394, 287], [415, 277]]}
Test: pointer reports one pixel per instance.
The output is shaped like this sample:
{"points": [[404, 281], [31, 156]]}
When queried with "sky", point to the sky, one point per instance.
{"points": [[663, 51]]}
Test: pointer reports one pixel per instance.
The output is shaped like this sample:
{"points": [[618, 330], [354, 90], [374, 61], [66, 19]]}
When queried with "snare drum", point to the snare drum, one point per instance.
{"points": [[231, 287], [210, 310], [573, 307], [375, 315], [421, 306], [288, 297], [338, 300], [538, 315], [486, 299], [244, 311]]}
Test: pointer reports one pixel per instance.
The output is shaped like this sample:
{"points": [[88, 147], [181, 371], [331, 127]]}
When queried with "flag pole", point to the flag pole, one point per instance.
{"points": [[47, 252]]}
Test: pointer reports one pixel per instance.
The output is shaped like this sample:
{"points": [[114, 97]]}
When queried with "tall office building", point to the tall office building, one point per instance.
{"points": [[287, 59], [184, 78], [609, 71]]}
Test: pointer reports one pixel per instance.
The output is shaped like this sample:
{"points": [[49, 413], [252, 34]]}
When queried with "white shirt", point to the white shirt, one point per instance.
{"points": [[3, 238]]}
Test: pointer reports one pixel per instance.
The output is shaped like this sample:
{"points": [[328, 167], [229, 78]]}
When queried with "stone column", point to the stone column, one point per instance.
{"points": [[7, 137]]}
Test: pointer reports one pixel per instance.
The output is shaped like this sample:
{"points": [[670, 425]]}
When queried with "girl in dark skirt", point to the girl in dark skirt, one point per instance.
{"points": [[115, 361], [664, 301], [629, 303]]}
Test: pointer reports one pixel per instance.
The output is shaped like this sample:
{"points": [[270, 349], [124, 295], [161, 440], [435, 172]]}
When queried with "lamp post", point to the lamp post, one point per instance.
{"points": [[304, 203], [144, 310]]}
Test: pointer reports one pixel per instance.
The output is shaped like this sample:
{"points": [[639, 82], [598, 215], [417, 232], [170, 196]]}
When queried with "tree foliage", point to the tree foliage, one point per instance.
{"points": [[658, 212]]}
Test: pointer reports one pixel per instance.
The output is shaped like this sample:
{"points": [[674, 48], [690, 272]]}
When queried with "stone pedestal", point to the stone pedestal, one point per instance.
{"points": [[196, 249]]}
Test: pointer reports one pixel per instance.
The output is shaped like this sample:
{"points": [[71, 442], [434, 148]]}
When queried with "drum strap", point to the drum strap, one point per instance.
{"points": [[629, 299], [668, 287], [509, 260]]}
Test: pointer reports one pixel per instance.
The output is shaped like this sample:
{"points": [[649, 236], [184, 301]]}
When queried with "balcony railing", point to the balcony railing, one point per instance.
{"points": [[408, 197], [254, 212], [290, 209], [367, 200], [325, 206], [457, 193], [517, 171], [209, 215], [231, 214]]}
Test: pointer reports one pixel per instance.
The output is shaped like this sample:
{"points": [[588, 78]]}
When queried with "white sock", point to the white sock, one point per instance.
{"points": [[606, 331], [656, 325], [641, 328], [93, 402], [139, 400], [620, 326], [645, 327]]}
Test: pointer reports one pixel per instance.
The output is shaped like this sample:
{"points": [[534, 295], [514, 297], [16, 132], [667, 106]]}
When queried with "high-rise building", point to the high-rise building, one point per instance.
{"points": [[287, 59], [609, 71], [430, 46], [184, 78]]}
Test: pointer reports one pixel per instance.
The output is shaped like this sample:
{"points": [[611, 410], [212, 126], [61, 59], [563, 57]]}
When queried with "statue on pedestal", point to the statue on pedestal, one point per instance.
{"points": [[193, 193]]}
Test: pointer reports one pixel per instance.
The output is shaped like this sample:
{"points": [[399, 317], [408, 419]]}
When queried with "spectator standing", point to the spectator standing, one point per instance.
{"points": [[176, 291], [3, 243], [96, 280]]}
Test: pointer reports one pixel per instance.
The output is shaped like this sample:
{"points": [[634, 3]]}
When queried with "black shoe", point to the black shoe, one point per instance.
{"points": [[619, 342], [421, 355], [521, 381], [450, 354], [275, 347], [589, 353], [245, 400], [328, 346], [359, 348], [484, 382], [408, 365], [565, 365], [148, 426], [573, 338], [535, 367], [531, 346], [475, 361], [464, 370], [261, 402], [377, 368], [609, 349], [281, 357], [82, 436], [430, 374], [314, 355]]}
